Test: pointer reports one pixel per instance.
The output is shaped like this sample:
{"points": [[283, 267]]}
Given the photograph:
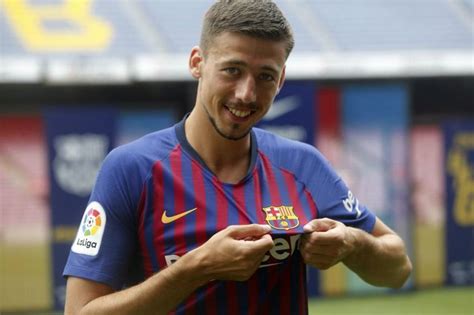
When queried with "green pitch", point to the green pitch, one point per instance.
{"points": [[452, 301]]}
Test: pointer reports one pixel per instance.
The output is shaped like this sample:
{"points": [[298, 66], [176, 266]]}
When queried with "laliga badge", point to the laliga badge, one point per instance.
{"points": [[89, 235]]}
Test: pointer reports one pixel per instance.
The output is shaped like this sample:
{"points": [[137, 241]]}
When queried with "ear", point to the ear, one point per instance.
{"points": [[195, 60]]}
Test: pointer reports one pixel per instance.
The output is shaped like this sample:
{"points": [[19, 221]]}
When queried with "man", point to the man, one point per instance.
{"points": [[206, 217]]}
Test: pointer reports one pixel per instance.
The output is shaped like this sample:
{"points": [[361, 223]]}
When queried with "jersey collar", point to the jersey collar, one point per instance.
{"points": [[181, 135]]}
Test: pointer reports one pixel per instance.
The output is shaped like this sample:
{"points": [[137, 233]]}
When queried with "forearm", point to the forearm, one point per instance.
{"points": [[159, 294], [379, 260]]}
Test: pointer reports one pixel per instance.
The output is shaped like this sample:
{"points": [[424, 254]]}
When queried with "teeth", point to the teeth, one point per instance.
{"points": [[240, 113]]}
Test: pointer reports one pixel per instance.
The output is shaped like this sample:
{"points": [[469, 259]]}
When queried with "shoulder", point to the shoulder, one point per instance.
{"points": [[151, 147]]}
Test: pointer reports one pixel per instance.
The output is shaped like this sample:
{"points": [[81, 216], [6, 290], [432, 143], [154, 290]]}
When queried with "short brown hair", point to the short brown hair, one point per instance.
{"points": [[257, 18]]}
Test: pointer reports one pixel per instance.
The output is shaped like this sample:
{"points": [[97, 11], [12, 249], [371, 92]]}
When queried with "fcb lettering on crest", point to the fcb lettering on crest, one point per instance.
{"points": [[281, 218]]}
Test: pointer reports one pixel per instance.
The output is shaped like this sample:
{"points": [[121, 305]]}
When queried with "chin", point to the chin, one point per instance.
{"points": [[233, 137]]}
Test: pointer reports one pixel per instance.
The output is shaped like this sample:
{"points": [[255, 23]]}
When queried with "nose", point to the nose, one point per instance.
{"points": [[246, 90]]}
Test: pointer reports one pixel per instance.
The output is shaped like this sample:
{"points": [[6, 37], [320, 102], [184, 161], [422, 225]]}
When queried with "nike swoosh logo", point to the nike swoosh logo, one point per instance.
{"points": [[166, 219], [282, 107]]}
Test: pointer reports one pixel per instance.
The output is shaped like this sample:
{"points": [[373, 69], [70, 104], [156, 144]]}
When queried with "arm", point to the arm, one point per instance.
{"points": [[232, 254], [379, 258], [157, 295]]}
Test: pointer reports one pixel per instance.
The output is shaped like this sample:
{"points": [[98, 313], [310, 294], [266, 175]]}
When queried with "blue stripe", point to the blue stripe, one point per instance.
{"points": [[282, 188], [221, 294], [305, 203], [168, 184], [189, 201], [232, 211], [148, 220], [264, 189], [251, 207], [211, 202]]}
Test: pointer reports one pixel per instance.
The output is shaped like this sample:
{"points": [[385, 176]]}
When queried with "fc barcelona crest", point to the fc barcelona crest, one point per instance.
{"points": [[281, 218]]}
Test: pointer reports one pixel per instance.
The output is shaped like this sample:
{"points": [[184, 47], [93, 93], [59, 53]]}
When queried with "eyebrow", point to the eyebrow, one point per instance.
{"points": [[237, 62]]}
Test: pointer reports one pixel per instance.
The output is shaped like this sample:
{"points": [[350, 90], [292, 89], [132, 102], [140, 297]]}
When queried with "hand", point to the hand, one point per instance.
{"points": [[236, 252], [326, 242]]}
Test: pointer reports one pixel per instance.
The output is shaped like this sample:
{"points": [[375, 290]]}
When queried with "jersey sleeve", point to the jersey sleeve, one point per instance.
{"points": [[106, 238], [332, 196]]}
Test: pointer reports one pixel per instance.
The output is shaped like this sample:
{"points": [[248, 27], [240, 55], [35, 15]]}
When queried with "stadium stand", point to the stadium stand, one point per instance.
{"points": [[127, 29], [366, 25]]}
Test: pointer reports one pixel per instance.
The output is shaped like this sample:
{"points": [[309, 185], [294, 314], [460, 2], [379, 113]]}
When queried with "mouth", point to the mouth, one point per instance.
{"points": [[239, 112]]}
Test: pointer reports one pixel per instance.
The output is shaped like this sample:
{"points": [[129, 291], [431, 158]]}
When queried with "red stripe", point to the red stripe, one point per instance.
{"points": [[258, 199], [299, 211], [201, 236], [238, 195], [285, 277], [232, 298], [179, 207], [239, 198], [303, 295], [222, 208], [200, 199], [312, 205], [179, 201], [222, 205], [285, 291], [253, 286], [244, 218], [147, 267], [295, 199], [275, 201], [158, 208], [271, 181]]}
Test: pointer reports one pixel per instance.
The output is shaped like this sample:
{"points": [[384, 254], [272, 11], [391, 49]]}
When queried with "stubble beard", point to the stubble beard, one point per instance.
{"points": [[221, 133]]}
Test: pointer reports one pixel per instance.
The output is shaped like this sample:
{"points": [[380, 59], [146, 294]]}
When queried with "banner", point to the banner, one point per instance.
{"points": [[132, 125], [375, 140], [24, 215], [78, 140], [292, 114], [459, 148], [427, 177]]}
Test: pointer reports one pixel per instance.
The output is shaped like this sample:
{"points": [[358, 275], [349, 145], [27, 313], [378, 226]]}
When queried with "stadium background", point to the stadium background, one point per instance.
{"points": [[383, 88]]}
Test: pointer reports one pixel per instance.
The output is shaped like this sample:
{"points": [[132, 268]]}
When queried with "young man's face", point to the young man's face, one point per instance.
{"points": [[239, 78]]}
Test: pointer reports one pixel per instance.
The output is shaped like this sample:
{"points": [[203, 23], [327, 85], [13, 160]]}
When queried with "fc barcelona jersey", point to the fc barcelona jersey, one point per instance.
{"points": [[155, 200]]}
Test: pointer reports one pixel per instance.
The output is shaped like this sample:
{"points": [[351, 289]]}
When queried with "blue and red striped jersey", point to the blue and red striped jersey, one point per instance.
{"points": [[155, 200]]}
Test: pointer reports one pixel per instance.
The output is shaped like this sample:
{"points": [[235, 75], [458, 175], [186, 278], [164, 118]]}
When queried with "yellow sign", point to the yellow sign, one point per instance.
{"points": [[90, 33], [463, 178]]}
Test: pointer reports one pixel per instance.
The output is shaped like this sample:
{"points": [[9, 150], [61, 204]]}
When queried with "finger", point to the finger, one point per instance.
{"points": [[319, 261], [249, 231], [319, 225], [327, 250], [263, 244], [317, 257], [330, 237]]}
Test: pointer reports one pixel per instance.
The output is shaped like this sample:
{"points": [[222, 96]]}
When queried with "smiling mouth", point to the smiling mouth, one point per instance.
{"points": [[240, 113]]}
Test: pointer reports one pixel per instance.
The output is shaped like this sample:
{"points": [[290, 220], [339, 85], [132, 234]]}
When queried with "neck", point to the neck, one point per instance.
{"points": [[228, 159]]}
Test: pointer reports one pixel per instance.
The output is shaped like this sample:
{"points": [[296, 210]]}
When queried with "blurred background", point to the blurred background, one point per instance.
{"points": [[384, 88]]}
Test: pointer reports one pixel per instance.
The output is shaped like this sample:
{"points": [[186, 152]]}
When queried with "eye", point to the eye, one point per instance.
{"points": [[232, 71], [266, 77]]}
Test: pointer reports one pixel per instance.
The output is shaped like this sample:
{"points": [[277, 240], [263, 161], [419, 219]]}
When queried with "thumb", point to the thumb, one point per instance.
{"points": [[319, 225], [249, 230]]}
